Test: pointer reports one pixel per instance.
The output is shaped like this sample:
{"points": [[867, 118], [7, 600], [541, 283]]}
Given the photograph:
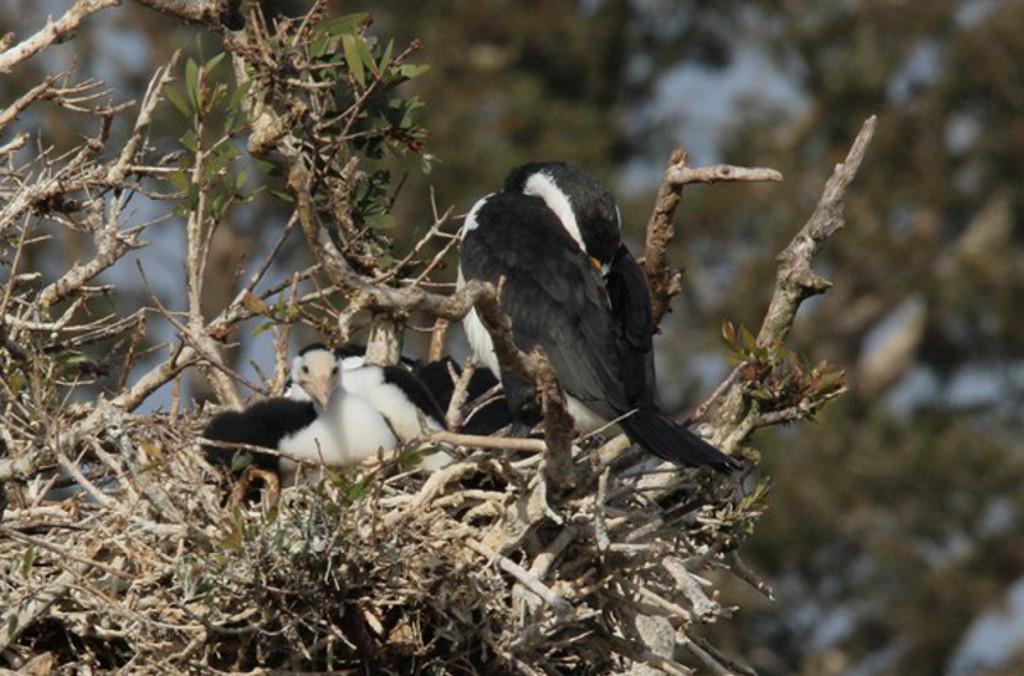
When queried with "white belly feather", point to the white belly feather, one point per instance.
{"points": [[351, 431], [405, 418]]}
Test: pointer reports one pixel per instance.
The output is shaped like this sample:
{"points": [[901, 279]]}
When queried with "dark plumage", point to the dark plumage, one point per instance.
{"points": [[415, 390], [630, 299], [264, 423], [593, 207], [572, 288], [487, 419]]}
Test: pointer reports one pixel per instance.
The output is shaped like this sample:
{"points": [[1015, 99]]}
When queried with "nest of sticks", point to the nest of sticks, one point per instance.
{"points": [[481, 567]]}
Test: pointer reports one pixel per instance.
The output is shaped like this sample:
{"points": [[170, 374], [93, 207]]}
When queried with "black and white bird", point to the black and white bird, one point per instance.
{"points": [[573, 288], [395, 392], [353, 356], [331, 426]]}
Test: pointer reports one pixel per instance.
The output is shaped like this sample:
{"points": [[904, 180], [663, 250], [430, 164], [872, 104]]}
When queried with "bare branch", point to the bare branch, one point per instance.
{"points": [[25, 100], [213, 13], [735, 418], [523, 576], [477, 441], [665, 282], [14, 145], [795, 281], [57, 31]]}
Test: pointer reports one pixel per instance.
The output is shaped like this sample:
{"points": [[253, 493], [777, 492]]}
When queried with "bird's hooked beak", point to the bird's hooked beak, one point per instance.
{"points": [[319, 389], [599, 266]]}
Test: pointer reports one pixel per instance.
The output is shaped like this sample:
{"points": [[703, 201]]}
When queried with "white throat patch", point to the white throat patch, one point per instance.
{"points": [[543, 186]]}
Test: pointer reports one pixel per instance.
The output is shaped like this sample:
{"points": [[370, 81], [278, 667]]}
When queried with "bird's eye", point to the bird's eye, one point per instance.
{"points": [[334, 371], [305, 369]]}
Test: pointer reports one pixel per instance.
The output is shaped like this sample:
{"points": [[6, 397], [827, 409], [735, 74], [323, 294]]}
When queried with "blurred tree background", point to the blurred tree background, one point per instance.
{"points": [[894, 539]]}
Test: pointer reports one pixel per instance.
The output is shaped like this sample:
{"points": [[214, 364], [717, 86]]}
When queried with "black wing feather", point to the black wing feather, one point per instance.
{"points": [[435, 377], [415, 390], [631, 307], [555, 298], [486, 420], [264, 423], [597, 337]]}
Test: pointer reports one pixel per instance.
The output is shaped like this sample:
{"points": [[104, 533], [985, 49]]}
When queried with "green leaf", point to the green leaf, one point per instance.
{"points": [[254, 304], [263, 328], [220, 92], [264, 166], [353, 58], [778, 351], [238, 95], [365, 56], [380, 221], [220, 159], [319, 46], [345, 24], [218, 206], [749, 342], [239, 461], [174, 97], [234, 540], [212, 63], [192, 81], [414, 456], [385, 60], [357, 490], [27, 560], [411, 70], [190, 140], [178, 180], [830, 379]]}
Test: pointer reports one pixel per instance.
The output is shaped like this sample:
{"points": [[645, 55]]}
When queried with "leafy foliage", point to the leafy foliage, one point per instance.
{"points": [[776, 376]]}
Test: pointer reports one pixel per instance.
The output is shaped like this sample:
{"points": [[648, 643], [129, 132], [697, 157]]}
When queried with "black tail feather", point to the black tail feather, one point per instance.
{"points": [[236, 427], [671, 441]]}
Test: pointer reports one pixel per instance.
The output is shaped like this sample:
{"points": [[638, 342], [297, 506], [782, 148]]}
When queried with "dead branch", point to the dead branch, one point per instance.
{"points": [[57, 31], [217, 14], [665, 282], [795, 281], [735, 417]]}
